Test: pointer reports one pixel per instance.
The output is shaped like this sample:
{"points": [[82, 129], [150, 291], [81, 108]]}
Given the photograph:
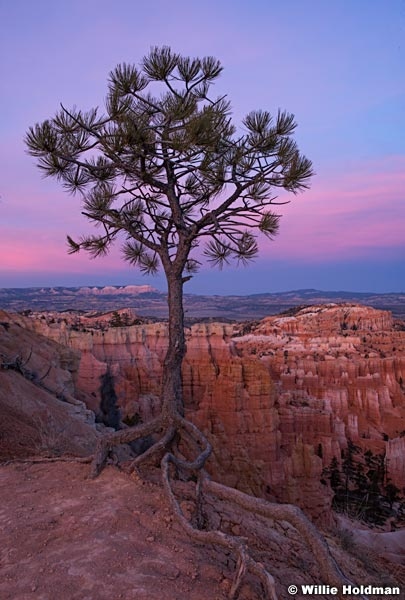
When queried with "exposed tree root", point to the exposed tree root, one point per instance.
{"points": [[38, 459], [284, 512], [173, 463], [233, 543], [18, 363], [124, 436], [157, 447]]}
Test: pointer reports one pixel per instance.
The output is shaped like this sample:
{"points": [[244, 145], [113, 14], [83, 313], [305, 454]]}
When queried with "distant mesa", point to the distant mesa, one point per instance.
{"points": [[150, 302], [120, 290]]}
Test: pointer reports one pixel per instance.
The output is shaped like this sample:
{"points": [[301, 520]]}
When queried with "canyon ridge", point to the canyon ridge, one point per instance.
{"points": [[292, 403], [281, 399]]}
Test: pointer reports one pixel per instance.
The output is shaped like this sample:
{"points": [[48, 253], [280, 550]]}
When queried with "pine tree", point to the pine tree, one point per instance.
{"points": [[163, 171], [161, 174]]}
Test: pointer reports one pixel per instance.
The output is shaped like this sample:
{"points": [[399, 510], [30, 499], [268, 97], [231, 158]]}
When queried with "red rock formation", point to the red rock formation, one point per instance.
{"points": [[279, 398], [39, 412], [395, 460]]}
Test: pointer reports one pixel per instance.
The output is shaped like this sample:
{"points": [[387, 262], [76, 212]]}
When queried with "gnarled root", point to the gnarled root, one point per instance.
{"points": [[123, 436], [284, 512], [173, 461], [157, 447], [234, 543], [48, 459]]}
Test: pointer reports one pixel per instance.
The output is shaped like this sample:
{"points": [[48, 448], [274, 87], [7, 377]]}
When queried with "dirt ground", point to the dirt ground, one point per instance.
{"points": [[64, 536]]}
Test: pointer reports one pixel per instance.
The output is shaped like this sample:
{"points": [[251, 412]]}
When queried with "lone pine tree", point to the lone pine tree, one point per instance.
{"points": [[163, 171]]}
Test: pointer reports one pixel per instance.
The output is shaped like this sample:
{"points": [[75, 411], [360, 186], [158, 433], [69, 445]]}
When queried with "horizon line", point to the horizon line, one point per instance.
{"points": [[117, 286]]}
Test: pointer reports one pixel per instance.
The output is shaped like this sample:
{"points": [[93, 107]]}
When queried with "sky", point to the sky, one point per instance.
{"points": [[338, 65]]}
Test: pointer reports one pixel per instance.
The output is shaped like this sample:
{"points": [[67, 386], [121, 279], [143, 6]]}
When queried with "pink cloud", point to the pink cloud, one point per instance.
{"points": [[341, 216], [345, 216], [24, 252]]}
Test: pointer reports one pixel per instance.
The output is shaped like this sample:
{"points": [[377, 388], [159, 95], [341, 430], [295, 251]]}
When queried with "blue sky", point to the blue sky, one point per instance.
{"points": [[338, 66]]}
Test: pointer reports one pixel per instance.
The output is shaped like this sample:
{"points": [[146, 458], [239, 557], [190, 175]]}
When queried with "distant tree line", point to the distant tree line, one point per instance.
{"points": [[361, 487]]}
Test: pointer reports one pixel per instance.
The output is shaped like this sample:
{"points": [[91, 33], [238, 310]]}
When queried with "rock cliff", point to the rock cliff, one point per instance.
{"points": [[279, 398], [39, 410]]}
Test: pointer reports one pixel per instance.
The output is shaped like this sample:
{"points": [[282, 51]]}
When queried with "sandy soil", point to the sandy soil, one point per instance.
{"points": [[66, 537]]}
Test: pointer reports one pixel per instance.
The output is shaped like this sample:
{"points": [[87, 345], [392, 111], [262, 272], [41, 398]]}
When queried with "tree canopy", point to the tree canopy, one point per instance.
{"points": [[164, 166]]}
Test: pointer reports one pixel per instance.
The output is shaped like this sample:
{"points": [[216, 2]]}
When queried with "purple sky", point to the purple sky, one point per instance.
{"points": [[338, 66]]}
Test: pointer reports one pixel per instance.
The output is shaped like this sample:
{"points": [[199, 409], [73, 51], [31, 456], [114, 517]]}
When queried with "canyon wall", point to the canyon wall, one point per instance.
{"points": [[278, 398], [40, 413]]}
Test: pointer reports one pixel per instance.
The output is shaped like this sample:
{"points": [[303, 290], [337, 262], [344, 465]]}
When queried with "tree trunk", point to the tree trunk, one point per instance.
{"points": [[173, 428], [172, 393]]}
